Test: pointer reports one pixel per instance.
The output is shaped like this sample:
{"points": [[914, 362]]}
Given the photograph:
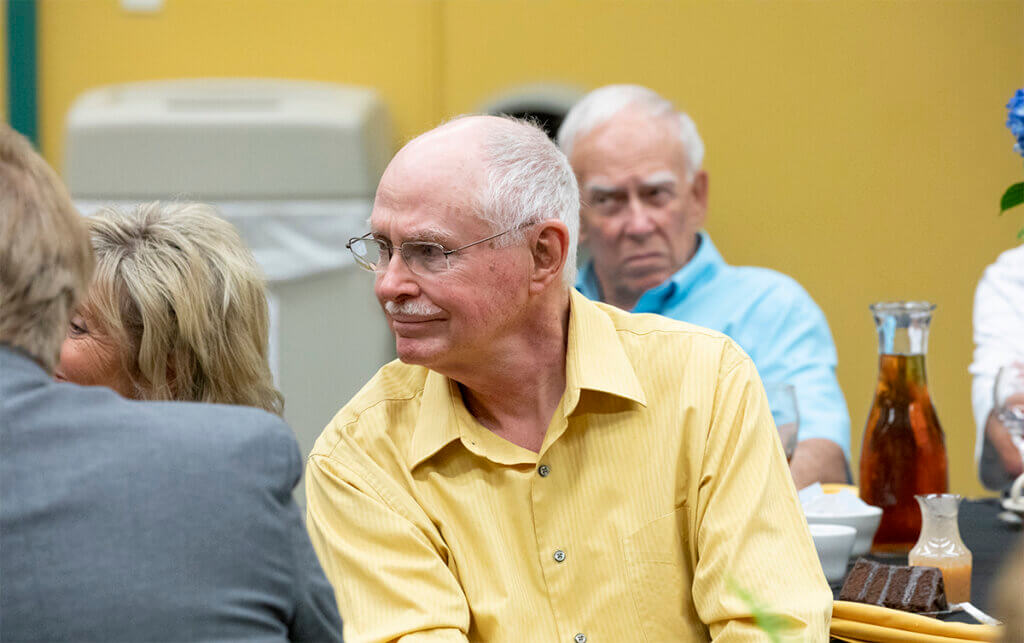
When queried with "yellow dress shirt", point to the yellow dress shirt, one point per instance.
{"points": [[659, 502]]}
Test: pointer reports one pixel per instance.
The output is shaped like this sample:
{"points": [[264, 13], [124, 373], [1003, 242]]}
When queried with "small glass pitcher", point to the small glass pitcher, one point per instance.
{"points": [[940, 544]]}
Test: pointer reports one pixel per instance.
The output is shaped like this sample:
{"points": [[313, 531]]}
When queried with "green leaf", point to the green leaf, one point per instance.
{"points": [[769, 623], [1013, 196]]}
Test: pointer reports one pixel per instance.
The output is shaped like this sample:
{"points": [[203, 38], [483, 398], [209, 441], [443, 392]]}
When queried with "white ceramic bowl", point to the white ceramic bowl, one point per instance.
{"points": [[865, 522], [834, 543]]}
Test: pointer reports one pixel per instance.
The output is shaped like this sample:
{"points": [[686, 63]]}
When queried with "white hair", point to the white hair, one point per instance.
{"points": [[600, 105], [529, 179]]}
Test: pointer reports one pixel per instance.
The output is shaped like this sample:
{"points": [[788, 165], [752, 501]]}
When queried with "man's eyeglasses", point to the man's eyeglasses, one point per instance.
{"points": [[424, 258]]}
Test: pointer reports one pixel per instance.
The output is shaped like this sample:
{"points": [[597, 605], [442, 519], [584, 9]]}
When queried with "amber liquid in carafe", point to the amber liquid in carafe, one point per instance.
{"points": [[956, 575], [903, 453]]}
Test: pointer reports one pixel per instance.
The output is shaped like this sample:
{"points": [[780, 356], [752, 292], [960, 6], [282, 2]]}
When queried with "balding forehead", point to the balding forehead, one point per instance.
{"points": [[443, 167], [476, 123], [432, 180], [385, 196], [469, 129]]}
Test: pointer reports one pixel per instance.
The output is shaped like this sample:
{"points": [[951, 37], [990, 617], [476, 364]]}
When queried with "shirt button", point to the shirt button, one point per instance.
{"points": [[543, 470], [580, 638], [559, 557]]}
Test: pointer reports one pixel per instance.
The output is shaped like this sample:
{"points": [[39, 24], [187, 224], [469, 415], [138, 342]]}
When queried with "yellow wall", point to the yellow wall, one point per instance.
{"points": [[391, 45], [858, 146]]}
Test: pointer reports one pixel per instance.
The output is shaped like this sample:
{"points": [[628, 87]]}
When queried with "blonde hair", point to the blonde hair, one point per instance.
{"points": [[175, 285], [45, 258]]}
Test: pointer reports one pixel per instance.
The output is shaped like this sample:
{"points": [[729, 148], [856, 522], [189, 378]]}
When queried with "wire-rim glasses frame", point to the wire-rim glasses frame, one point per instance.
{"points": [[421, 257]]}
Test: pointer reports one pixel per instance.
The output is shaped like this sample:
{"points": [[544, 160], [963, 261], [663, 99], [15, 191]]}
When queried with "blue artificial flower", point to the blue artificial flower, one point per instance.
{"points": [[1015, 120]]}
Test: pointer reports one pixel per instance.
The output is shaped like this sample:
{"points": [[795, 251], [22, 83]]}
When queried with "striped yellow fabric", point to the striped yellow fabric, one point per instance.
{"points": [[660, 502]]}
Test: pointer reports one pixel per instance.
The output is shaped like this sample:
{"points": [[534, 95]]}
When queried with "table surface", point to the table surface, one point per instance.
{"points": [[990, 540]]}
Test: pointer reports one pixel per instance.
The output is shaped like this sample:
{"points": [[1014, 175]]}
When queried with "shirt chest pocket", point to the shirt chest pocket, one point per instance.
{"points": [[660, 579]]}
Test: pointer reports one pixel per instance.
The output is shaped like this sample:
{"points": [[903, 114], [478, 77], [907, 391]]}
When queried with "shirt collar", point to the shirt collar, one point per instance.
{"points": [[706, 260], [595, 361], [436, 424], [587, 283]]}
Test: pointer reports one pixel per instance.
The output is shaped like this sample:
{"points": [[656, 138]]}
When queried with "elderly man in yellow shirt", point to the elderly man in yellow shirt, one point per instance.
{"points": [[538, 467]]}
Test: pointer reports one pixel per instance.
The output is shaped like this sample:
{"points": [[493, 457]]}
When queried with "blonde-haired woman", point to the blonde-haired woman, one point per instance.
{"points": [[177, 310]]}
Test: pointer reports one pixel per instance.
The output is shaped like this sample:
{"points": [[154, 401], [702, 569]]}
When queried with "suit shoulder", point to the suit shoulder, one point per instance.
{"points": [[199, 432], [158, 438], [225, 418]]}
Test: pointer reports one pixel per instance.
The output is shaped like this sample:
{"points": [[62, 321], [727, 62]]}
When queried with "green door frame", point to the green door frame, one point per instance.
{"points": [[22, 88]]}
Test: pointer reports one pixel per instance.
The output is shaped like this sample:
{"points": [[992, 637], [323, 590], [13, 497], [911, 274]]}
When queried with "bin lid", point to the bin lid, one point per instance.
{"points": [[289, 239], [231, 138]]}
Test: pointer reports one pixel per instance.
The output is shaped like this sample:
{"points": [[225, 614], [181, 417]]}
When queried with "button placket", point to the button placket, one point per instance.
{"points": [[554, 535]]}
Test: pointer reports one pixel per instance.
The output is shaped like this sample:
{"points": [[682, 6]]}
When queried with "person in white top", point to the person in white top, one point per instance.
{"points": [[998, 341]]}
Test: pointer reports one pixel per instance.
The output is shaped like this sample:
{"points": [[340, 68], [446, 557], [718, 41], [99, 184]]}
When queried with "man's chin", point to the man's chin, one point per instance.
{"points": [[416, 351], [641, 282]]}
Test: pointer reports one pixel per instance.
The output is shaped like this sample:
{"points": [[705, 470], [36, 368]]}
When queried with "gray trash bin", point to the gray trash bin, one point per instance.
{"points": [[294, 166]]}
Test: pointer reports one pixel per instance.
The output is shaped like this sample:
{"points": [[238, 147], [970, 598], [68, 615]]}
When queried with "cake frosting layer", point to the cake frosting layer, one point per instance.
{"points": [[912, 589]]}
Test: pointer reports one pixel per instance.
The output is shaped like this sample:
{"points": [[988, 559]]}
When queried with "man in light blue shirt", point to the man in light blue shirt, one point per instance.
{"points": [[644, 194]]}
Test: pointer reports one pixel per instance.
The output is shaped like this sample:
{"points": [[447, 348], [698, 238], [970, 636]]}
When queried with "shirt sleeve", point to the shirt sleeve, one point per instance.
{"points": [[752, 551], [794, 345], [384, 558], [998, 319]]}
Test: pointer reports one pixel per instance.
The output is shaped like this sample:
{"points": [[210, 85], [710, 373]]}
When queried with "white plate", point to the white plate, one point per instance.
{"points": [[1010, 505], [953, 609]]}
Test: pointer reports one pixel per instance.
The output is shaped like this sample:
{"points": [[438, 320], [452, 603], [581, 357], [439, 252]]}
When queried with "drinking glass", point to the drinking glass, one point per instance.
{"points": [[782, 402], [1009, 402]]}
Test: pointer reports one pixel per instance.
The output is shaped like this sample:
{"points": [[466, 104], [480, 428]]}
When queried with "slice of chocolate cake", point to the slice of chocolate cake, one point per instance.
{"points": [[878, 586], [925, 590], [863, 580], [912, 589], [896, 596]]}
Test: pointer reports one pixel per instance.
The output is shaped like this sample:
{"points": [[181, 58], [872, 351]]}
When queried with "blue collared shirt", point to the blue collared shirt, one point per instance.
{"points": [[770, 316]]}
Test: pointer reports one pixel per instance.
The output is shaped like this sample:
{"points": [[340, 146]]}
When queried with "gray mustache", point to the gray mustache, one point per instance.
{"points": [[411, 308]]}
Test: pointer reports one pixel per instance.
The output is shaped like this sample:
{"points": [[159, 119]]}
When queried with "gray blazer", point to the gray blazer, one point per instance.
{"points": [[149, 521]]}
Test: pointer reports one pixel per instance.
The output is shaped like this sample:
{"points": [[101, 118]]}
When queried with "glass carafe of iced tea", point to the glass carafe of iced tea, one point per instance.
{"points": [[904, 451], [940, 544]]}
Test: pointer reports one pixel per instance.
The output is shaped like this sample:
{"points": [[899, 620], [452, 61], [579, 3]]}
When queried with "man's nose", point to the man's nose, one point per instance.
{"points": [[395, 280], [639, 218]]}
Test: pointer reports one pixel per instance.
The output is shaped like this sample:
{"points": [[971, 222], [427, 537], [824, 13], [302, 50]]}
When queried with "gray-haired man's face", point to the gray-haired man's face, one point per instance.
{"points": [[640, 210], [452, 321]]}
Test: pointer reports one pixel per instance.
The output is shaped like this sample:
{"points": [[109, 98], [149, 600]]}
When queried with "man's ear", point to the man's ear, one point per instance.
{"points": [[549, 249], [699, 194]]}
